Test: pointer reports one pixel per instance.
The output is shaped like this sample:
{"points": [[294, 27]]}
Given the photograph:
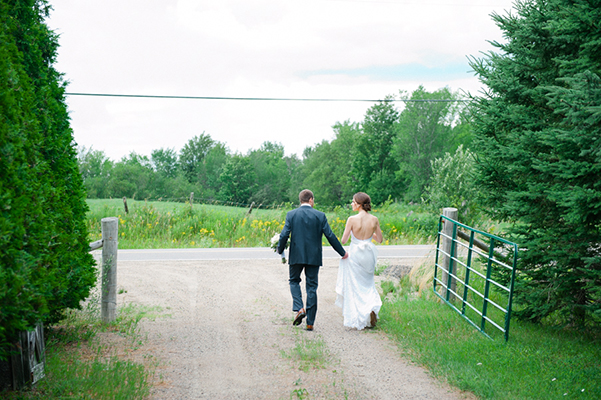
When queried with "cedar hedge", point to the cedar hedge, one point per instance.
{"points": [[45, 266]]}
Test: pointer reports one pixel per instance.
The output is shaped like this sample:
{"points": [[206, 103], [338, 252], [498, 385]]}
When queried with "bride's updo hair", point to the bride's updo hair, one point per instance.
{"points": [[363, 200]]}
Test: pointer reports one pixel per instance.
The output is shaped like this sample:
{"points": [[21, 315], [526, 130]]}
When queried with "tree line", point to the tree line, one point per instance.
{"points": [[388, 155]]}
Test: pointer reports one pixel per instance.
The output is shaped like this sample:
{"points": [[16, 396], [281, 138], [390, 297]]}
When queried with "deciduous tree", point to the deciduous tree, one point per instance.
{"points": [[95, 168], [273, 180], [453, 185], [164, 162], [374, 164], [238, 180], [192, 157], [328, 166], [424, 132]]}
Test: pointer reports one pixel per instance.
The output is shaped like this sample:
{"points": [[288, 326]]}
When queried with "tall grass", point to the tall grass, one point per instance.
{"points": [[538, 362], [177, 225]]}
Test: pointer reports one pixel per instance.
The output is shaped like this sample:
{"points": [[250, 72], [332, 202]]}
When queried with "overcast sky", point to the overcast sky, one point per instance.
{"points": [[318, 49]]}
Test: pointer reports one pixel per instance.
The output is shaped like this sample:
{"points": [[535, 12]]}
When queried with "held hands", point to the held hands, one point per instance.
{"points": [[345, 255]]}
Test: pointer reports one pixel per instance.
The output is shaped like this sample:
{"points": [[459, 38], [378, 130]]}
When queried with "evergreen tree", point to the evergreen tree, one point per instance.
{"points": [[45, 265], [538, 137]]}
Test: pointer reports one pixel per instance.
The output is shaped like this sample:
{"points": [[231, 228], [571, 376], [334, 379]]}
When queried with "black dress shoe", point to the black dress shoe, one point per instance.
{"points": [[299, 317]]}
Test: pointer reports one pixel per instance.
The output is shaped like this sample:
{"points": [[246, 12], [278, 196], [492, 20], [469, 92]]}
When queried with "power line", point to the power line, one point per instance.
{"points": [[405, 3], [264, 98]]}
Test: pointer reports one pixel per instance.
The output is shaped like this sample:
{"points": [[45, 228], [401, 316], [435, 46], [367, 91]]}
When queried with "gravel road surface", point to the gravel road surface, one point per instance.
{"points": [[225, 333]]}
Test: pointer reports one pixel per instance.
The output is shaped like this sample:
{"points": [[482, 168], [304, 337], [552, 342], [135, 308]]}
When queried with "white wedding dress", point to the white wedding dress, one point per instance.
{"points": [[356, 291]]}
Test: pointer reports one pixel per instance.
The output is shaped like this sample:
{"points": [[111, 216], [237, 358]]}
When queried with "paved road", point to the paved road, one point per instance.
{"points": [[257, 253]]}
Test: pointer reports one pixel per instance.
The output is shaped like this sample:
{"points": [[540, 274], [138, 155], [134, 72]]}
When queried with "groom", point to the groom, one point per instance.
{"points": [[305, 226]]}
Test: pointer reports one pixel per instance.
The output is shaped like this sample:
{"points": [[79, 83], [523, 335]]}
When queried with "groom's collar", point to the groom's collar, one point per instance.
{"points": [[305, 204]]}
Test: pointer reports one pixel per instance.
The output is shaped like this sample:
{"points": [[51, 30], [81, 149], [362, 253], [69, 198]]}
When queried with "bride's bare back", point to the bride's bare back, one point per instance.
{"points": [[364, 226]]}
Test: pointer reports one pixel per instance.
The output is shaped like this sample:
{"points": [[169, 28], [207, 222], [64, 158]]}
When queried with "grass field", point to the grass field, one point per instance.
{"points": [[177, 225]]}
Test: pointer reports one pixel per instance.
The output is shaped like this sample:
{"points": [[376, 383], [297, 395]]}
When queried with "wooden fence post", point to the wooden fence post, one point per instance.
{"points": [[251, 208], [191, 200], [110, 236], [447, 245], [125, 205], [26, 364]]}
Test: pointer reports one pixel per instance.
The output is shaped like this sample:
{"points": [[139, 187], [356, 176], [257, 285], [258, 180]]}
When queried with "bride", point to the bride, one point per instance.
{"points": [[355, 288]]}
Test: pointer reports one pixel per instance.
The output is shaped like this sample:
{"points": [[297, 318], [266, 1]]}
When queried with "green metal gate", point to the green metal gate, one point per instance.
{"points": [[474, 274]]}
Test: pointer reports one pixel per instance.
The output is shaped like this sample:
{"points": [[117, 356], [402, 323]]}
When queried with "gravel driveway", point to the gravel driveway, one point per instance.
{"points": [[226, 333]]}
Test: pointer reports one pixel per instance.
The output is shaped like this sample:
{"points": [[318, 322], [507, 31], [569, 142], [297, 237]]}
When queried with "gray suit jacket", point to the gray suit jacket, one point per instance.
{"points": [[305, 226]]}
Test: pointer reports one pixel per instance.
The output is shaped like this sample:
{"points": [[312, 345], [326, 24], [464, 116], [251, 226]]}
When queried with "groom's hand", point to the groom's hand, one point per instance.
{"points": [[345, 255]]}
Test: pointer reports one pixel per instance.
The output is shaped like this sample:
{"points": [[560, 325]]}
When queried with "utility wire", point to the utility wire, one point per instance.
{"points": [[405, 3], [264, 98]]}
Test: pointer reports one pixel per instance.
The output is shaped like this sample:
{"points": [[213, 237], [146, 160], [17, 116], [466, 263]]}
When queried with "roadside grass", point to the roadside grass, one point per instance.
{"points": [[307, 353], [151, 225], [538, 362], [88, 360]]}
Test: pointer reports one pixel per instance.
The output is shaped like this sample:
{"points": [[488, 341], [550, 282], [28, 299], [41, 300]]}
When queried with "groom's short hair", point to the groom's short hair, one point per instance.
{"points": [[305, 195]]}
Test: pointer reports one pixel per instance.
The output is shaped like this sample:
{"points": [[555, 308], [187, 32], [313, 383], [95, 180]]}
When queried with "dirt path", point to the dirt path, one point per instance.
{"points": [[227, 334]]}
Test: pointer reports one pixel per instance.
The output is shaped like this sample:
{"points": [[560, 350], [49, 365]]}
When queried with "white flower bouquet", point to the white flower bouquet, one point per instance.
{"points": [[275, 241]]}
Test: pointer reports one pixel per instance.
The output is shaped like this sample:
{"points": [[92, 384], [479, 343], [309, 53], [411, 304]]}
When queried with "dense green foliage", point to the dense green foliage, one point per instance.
{"points": [[45, 266], [538, 136], [327, 166]]}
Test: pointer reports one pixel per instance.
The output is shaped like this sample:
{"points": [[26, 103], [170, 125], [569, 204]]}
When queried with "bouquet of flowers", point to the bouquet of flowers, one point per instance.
{"points": [[275, 241]]}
